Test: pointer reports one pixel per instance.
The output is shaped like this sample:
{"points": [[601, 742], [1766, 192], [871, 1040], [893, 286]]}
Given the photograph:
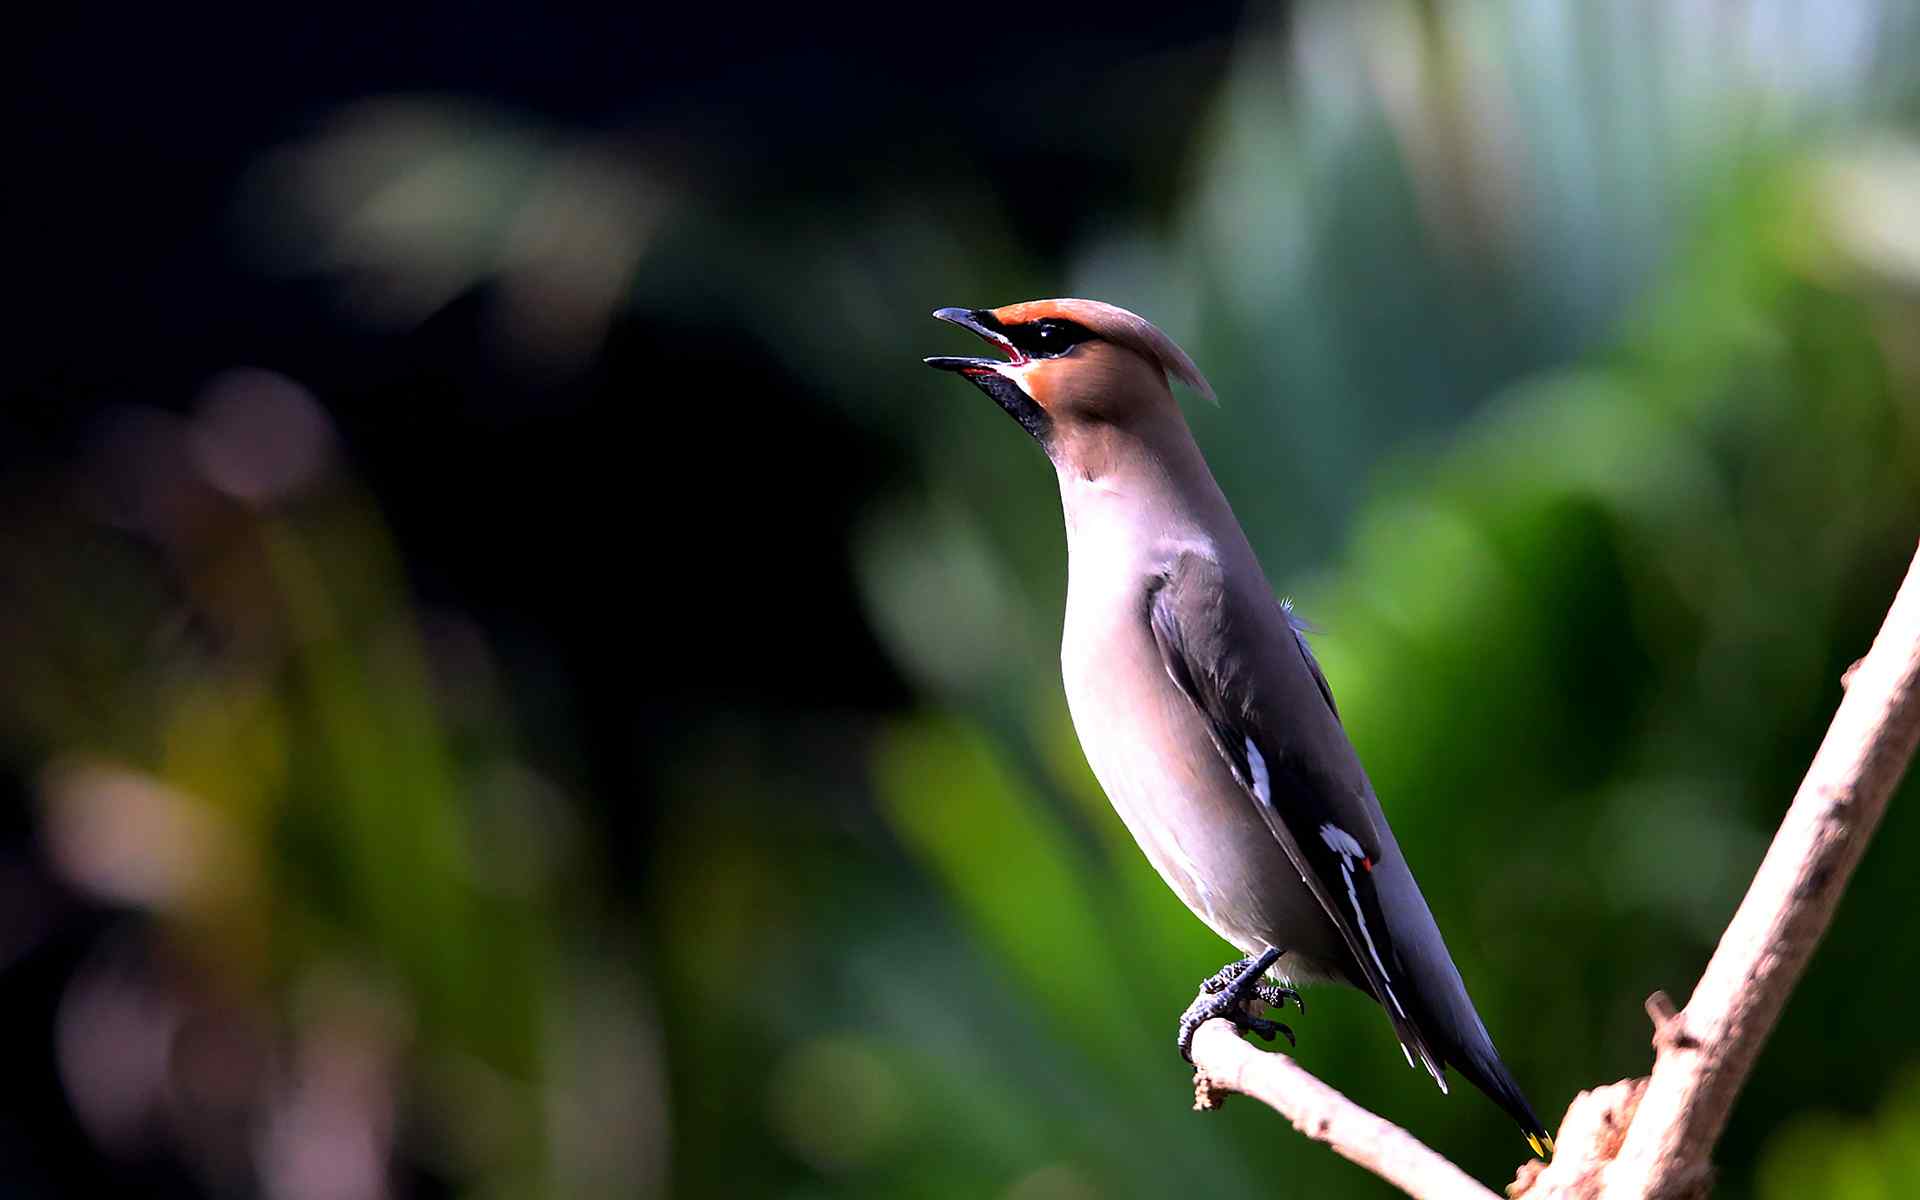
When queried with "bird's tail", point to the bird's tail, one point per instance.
{"points": [[1449, 1025], [1447, 1028], [1483, 1069]]}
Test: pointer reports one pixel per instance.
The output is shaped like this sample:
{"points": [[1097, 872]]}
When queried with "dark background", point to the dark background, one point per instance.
{"points": [[517, 681]]}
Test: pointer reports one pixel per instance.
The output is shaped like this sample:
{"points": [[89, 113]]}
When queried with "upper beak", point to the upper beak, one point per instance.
{"points": [[982, 322]]}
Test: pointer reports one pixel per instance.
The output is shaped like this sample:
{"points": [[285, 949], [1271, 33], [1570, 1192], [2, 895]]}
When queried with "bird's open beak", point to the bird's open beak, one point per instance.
{"points": [[982, 322]]}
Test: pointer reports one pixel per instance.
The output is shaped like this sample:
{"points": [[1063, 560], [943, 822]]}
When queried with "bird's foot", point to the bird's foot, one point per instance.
{"points": [[1232, 992], [1274, 994]]}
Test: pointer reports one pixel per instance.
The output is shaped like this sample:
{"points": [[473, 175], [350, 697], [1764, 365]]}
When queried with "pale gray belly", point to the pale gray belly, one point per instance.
{"points": [[1153, 756]]}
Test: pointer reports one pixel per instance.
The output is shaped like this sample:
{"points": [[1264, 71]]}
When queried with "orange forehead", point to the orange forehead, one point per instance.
{"points": [[1104, 319], [1028, 311]]}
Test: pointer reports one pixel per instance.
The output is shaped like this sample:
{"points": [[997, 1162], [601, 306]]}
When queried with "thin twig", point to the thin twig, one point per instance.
{"points": [[1707, 1050], [1225, 1063]]}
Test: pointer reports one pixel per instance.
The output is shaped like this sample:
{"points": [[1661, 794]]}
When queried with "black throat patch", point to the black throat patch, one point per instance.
{"points": [[1020, 406]]}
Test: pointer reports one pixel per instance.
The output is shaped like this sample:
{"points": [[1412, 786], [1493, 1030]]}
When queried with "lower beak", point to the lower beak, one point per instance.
{"points": [[963, 365]]}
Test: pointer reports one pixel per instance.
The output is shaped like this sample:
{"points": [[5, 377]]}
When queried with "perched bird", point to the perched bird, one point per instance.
{"points": [[1200, 706]]}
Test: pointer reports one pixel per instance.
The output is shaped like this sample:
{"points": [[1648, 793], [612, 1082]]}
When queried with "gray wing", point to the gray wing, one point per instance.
{"points": [[1270, 712]]}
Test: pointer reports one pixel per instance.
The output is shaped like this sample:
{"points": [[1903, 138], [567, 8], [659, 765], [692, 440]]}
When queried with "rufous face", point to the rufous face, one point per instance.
{"points": [[1060, 365]]}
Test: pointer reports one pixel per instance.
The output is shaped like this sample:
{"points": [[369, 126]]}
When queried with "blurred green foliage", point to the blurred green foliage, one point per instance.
{"points": [[242, 736]]}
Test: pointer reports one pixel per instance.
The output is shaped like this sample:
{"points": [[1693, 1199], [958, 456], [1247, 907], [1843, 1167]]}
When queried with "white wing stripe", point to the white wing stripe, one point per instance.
{"points": [[1343, 843], [1262, 782]]}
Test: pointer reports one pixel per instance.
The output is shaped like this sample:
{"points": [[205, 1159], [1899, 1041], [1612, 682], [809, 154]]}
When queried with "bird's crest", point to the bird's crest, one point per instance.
{"points": [[1119, 326]]}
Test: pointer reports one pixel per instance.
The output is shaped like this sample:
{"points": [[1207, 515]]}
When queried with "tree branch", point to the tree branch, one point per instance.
{"points": [[1671, 1121], [1225, 1063], [1707, 1050]]}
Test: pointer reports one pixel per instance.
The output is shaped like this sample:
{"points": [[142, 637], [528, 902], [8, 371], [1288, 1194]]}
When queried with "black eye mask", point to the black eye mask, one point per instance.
{"points": [[1047, 337]]}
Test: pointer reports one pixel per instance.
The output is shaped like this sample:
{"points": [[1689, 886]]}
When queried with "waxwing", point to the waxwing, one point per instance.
{"points": [[1201, 708]]}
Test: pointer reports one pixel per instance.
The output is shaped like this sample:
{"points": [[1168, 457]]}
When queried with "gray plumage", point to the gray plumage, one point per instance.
{"points": [[1199, 704]]}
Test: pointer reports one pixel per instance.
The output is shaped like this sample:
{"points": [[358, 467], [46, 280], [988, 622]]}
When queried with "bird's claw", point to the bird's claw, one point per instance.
{"points": [[1276, 995], [1231, 993], [1265, 1030]]}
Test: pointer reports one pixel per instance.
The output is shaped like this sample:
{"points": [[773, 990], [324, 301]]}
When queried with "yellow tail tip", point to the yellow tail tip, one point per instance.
{"points": [[1544, 1151]]}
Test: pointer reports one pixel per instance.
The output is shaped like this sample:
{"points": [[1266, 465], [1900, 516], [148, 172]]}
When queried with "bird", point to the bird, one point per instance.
{"points": [[1201, 707]]}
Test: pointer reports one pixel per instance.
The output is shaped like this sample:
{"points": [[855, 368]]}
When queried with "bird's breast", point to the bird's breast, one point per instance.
{"points": [[1157, 762]]}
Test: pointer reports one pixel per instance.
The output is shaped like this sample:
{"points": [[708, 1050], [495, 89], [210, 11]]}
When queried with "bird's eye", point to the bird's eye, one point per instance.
{"points": [[1048, 337]]}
